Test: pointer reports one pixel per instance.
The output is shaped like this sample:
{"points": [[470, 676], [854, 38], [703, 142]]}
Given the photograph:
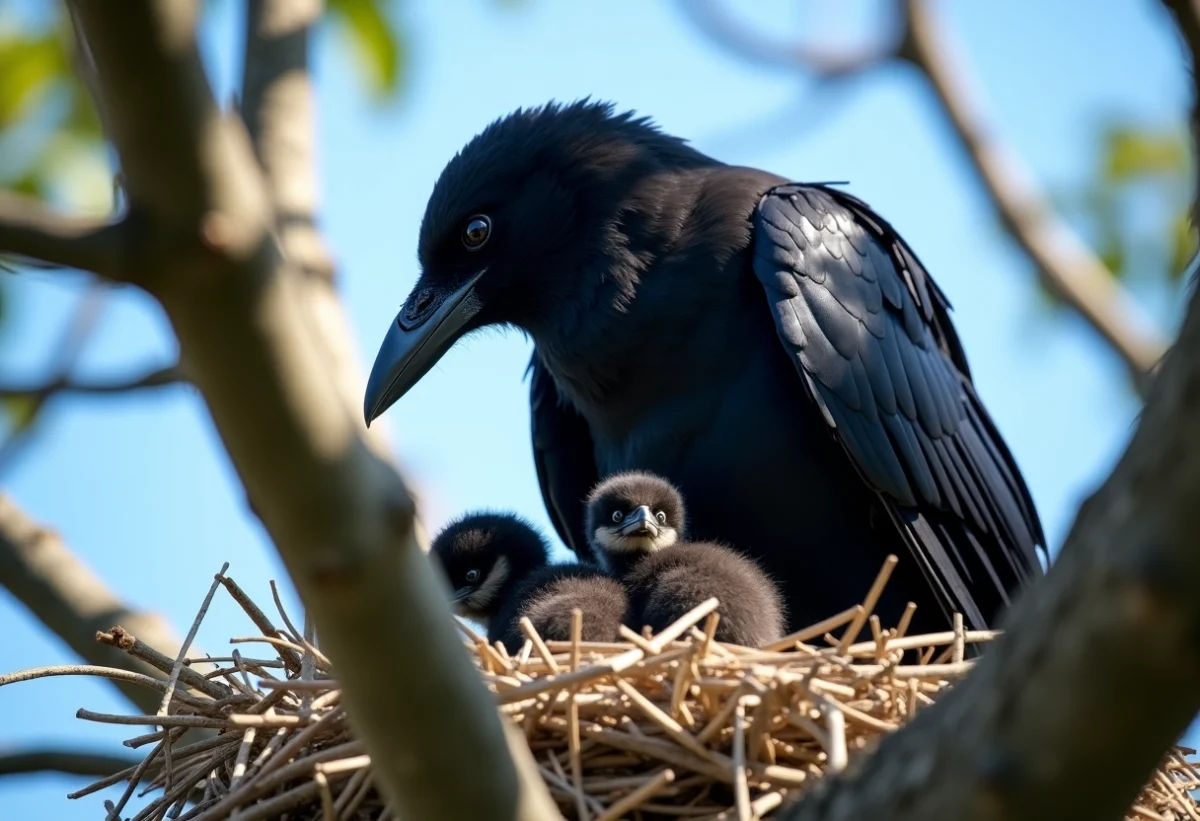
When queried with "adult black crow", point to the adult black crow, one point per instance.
{"points": [[775, 350]]}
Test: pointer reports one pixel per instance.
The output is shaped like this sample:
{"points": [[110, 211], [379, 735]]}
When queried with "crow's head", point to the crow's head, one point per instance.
{"points": [[525, 227]]}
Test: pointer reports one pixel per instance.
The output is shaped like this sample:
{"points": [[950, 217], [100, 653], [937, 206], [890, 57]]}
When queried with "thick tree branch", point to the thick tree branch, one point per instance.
{"points": [[279, 106], [340, 516], [1065, 265], [67, 762], [29, 229], [156, 378], [66, 595]]}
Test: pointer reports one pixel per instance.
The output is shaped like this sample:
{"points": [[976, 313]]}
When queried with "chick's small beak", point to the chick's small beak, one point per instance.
{"points": [[461, 594], [426, 327], [639, 523]]}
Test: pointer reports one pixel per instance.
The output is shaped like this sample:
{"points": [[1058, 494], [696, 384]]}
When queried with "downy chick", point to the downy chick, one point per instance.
{"points": [[636, 524], [498, 568]]}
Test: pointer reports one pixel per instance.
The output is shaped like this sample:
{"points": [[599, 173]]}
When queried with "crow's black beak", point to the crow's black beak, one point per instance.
{"points": [[426, 327], [639, 523]]}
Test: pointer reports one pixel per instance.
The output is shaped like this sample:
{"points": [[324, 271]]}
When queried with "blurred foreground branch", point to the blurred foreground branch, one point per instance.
{"points": [[155, 378], [201, 236], [1066, 266], [68, 762]]}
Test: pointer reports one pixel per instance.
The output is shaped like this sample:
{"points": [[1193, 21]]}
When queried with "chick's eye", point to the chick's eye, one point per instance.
{"points": [[617, 516], [472, 576], [476, 232], [662, 517]]}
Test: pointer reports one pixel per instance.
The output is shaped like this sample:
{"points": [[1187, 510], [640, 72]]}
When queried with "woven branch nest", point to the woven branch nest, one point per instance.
{"points": [[670, 726]]}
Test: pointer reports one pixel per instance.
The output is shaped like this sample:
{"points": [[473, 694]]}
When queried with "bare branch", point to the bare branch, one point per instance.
{"points": [[726, 31], [69, 762], [342, 519], [66, 595], [1067, 266], [156, 378], [62, 362], [29, 229]]}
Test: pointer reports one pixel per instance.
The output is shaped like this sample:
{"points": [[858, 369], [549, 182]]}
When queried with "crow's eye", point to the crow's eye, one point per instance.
{"points": [[662, 517], [476, 232], [618, 516], [472, 576]]}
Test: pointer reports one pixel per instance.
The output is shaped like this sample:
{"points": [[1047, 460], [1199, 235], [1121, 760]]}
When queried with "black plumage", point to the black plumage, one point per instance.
{"points": [[499, 571], [775, 350], [637, 524]]}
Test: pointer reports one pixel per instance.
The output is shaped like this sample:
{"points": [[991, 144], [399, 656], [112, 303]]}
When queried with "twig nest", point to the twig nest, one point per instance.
{"points": [[653, 727]]}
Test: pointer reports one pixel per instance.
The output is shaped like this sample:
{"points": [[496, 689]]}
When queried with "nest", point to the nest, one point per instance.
{"points": [[667, 726]]}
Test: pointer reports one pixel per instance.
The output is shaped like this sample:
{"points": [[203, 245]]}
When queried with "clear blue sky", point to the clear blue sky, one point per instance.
{"points": [[140, 488]]}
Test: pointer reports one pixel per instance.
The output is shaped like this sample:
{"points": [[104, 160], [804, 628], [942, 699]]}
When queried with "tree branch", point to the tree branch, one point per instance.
{"points": [[62, 362], [725, 30], [1065, 265], [342, 519], [68, 762], [1061, 695], [66, 595], [29, 229], [279, 108], [156, 378]]}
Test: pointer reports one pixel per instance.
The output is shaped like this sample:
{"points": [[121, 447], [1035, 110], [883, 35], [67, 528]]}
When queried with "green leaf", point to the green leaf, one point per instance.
{"points": [[21, 411], [377, 44], [1132, 154], [29, 67], [1183, 244]]}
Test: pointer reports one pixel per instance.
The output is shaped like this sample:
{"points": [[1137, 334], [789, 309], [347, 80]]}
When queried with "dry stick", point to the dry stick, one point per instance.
{"points": [[741, 788], [959, 640], [816, 630], [307, 664], [264, 624], [112, 673], [638, 796], [177, 667], [905, 620], [326, 796], [868, 604], [114, 810], [573, 743], [243, 757], [343, 801], [182, 752], [931, 641], [123, 640], [164, 721], [835, 724], [531, 633], [670, 725]]}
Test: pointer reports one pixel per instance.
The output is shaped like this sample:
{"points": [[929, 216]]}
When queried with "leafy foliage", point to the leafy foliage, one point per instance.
{"points": [[379, 46], [1133, 208]]}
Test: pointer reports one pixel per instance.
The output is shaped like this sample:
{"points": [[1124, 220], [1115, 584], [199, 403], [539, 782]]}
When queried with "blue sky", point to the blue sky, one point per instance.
{"points": [[140, 488]]}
